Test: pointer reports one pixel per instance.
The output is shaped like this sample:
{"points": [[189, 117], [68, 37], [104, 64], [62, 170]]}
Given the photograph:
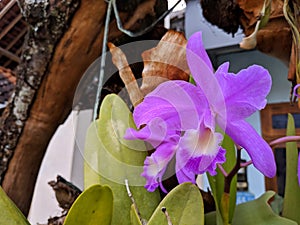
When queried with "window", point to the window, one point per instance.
{"points": [[273, 124]]}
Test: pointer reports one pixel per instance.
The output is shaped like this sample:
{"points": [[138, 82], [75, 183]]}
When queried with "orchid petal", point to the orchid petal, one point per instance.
{"points": [[259, 151], [200, 151], [179, 103], [195, 45], [244, 92], [183, 174], [207, 83], [156, 164], [155, 132]]}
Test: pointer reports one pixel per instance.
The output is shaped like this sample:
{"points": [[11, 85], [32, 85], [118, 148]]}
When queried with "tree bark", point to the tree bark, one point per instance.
{"points": [[76, 50]]}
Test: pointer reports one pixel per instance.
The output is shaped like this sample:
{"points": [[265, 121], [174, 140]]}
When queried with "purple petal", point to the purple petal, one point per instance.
{"points": [[206, 81], [155, 132], [195, 45], [156, 164], [179, 103], [184, 175], [244, 92], [260, 152], [199, 152]]}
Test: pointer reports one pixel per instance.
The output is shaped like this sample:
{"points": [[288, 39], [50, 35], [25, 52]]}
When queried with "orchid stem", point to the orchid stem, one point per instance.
{"points": [[133, 202], [164, 210], [284, 140], [234, 171], [223, 171], [246, 163]]}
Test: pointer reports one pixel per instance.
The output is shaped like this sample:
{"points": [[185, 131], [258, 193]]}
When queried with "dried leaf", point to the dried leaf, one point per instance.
{"points": [[120, 61], [167, 61]]}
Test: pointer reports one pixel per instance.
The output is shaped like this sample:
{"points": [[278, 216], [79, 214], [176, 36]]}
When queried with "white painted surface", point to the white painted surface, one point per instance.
{"points": [[213, 37], [58, 160]]}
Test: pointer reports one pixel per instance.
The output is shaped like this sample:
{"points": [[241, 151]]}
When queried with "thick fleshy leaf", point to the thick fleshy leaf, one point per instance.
{"points": [[184, 205], [291, 200], [134, 217], [93, 206], [259, 212], [9, 213], [256, 212], [243, 134], [217, 182], [245, 92], [110, 159], [180, 104]]}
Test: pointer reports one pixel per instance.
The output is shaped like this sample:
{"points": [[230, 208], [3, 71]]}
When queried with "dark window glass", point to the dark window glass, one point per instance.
{"points": [[280, 121], [280, 157]]}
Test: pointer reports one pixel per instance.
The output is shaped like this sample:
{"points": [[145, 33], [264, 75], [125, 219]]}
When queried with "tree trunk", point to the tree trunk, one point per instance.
{"points": [[49, 107]]}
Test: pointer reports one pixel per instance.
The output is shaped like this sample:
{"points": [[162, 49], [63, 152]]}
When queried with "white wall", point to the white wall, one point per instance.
{"points": [[57, 161]]}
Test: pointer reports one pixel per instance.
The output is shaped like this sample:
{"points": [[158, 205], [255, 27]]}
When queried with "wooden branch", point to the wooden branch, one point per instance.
{"points": [[46, 28], [6, 8], [10, 55], [78, 48]]}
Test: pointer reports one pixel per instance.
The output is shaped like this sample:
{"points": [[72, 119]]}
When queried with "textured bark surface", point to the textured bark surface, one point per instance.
{"points": [[47, 23], [77, 49]]}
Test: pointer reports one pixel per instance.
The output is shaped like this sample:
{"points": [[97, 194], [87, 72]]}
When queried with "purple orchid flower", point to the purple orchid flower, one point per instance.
{"points": [[179, 119]]}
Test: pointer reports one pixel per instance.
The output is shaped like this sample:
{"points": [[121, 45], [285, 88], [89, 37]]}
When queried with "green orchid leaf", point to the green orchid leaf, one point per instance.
{"points": [[9, 213], [217, 183], [93, 206], [277, 204], [110, 159], [256, 212], [265, 13], [184, 205], [259, 212], [134, 218], [292, 190]]}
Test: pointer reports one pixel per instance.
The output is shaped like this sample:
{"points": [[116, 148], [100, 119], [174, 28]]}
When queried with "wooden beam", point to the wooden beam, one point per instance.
{"points": [[21, 34], [10, 55], [11, 25], [6, 8]]}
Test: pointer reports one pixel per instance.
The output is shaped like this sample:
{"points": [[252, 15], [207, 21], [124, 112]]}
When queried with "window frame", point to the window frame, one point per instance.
{"points": [[269, 133]]}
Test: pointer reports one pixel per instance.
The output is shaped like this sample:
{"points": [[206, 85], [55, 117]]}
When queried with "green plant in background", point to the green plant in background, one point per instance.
{"points": [[9, 213], [93, 206]]}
